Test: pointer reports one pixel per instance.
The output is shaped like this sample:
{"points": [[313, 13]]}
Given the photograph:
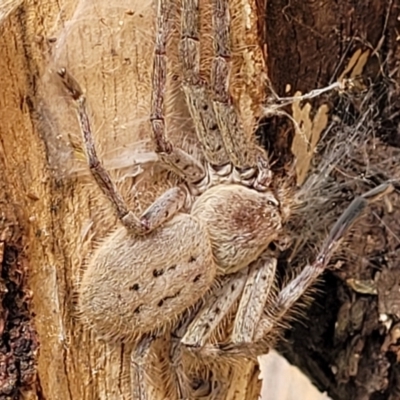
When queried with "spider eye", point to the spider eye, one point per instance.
{"points": [[273, 203]]}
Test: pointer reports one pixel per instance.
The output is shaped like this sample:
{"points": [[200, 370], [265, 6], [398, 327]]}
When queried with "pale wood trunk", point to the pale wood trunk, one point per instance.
{"points": [[109, 49]]}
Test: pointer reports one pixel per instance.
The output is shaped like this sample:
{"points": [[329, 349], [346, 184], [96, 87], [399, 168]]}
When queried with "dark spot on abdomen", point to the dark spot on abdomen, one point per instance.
{"points": [[157, 272], [134, 287], [165, 299]]}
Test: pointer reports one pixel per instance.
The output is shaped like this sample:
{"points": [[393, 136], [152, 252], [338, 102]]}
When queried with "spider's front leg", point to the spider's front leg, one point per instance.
{"points": [[295, 288], [164, 208], [196, 92], [253, 342], [182, 163], [218, 126], [240, 145]]}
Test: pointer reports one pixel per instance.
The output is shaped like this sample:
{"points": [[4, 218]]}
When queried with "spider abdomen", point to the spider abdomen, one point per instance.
{"points": [[136, 284], [241, 223]]}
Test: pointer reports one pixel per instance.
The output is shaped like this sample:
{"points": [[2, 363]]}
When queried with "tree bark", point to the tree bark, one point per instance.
{"points": [[53, 214], [347, 341]]}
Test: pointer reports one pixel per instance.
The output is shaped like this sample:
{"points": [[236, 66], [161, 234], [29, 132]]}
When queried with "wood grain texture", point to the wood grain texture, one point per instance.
{"points": [[109, 50]]}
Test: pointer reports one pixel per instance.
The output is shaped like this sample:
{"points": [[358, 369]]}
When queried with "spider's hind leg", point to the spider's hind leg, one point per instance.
{"points": [[139, 360]]}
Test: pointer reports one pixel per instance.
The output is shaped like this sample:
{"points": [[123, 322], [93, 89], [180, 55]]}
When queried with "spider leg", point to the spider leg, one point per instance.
{"points": [[199, 381], [197, 96], [168, 204], [217, 123], [253, 285], [176, 354], [216, 306], [289, 295], [161, 210], [139, 360], [252, 303], [176, 159], [241, 149]]}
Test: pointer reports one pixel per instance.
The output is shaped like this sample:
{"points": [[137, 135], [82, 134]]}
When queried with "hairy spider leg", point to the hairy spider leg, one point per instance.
{"points": [[139, 360], [216, 306], [252, 285], [252, 303], [182, 163], [161, 210], [196, 91], [289, 295], [283, 302], [242, 151], [217, 123]]}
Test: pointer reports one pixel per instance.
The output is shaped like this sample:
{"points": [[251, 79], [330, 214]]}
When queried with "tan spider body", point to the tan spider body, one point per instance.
{"points": [[172, 267], [120, 303]]}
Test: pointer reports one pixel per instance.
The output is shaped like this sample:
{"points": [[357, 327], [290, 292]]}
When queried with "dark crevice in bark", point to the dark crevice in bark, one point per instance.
{"points": [[18, 338]]}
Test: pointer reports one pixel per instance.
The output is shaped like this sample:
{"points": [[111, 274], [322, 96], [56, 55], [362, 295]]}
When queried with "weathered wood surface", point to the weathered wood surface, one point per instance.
{"points": [[109, 49]]}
